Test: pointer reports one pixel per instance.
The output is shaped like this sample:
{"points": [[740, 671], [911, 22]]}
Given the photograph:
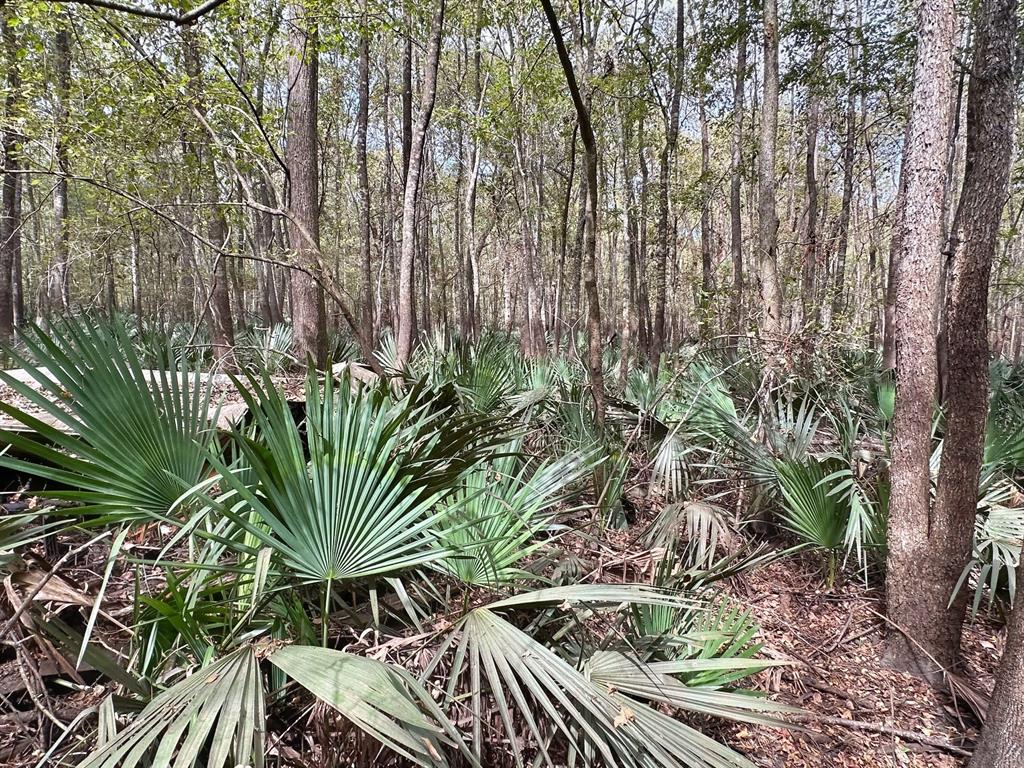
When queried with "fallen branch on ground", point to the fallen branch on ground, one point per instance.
{"points": [[911, 736]]}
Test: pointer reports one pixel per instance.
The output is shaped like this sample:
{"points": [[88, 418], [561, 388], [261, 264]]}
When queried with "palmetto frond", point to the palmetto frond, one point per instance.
{"points": [[215, 714], [566, 711], [497, 519], [349, 493], [384, 701], [129, 441], [808, 509]]}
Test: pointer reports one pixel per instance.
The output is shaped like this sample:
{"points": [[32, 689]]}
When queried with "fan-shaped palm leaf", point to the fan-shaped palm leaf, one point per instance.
{"points": [[219, 708], [129, 442], [496, 519]]}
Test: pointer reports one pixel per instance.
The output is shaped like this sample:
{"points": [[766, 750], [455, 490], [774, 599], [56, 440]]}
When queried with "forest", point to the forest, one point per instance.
{"points": [[550, 384]]}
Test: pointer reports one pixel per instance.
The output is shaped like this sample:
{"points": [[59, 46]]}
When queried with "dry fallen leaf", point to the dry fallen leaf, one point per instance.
{"points": [[625, 715]]}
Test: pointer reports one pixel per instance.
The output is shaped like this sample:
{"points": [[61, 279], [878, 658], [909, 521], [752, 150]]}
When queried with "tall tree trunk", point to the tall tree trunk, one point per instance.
{"points": [[135, 269], [664, 169], [990, 124], [10, 198], [222, 332], [469, 202], [368, 323], [644, 324], [950, 217], [849, 155], [736, 176], [406, 275], [57, 278], [809, 306], [707, 283], [308, 311], [217, 308], [534, 337], [916, 602], [632, 244], [594, 351], [895, 251], [558, 316], [1002, 738], [768, 220]]}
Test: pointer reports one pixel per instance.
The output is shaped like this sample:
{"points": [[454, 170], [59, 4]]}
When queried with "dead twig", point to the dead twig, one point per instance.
{"points": [[899, 733]]}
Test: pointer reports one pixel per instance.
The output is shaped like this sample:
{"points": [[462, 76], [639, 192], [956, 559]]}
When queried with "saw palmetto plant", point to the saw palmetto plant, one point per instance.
{"points": [[366, 560], [100, 429]]}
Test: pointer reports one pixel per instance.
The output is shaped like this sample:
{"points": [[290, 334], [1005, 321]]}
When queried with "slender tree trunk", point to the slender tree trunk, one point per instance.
{"points": [[57, 278], [10, 199], [895, 251], [558, 317], [135, 268], [217, 308], [736, 177], [219, 313], [644, 322], [308, 311], [594, 356], [849, 156], [917, 602], [990, 123], [630, 305], [368, 323], [707, 283], [406, 276], [469, 202], [768, 220], [664, 168], [809, 306]]}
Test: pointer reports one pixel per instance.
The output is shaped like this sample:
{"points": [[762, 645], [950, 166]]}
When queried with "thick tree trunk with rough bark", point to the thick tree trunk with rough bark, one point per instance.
{"points": [[768, 220], [301, 157], [406, 277], [1002, 739], [990, 123], [916, 601]]}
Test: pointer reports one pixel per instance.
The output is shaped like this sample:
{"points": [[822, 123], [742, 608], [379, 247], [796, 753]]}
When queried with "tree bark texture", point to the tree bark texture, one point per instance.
{"points": [[915, 599]]}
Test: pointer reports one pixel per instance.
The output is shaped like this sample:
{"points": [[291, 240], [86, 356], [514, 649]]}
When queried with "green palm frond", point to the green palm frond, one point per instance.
{"points": [[214, 714], [382, 700], [497, 519], [656, 682], [700, 524], [808, 509], [998, 534], [129, 442], [793, 428], [563, 711], [17, 531], [343, 496], [266, 350]]}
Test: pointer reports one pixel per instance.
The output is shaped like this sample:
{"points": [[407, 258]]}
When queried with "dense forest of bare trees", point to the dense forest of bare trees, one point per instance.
{"points": [[741, 279]]}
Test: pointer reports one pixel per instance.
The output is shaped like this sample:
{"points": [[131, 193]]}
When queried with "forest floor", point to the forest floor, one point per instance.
{"points": [[832, 638], [835, 640]]}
